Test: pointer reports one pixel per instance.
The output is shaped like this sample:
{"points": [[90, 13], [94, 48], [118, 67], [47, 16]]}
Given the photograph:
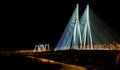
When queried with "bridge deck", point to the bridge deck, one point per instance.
{"points": [[107, 58]]}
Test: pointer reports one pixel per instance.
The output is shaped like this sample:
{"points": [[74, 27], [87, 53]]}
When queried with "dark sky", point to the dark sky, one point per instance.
{"points": [[28, 23]]}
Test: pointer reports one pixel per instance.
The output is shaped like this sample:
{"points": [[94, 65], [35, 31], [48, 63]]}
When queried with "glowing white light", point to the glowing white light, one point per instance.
{"points": [[88, 33]]}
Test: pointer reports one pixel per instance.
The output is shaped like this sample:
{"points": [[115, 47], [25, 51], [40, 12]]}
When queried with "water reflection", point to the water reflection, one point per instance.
{"points": [[63, 66]]}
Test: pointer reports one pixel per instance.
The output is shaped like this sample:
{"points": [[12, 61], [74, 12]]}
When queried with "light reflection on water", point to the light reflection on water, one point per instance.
{"points": [[64, 66]]}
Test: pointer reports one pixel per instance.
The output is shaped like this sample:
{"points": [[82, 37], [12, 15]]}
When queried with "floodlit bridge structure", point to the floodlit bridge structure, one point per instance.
{"points": [[87, 33], [87, 40]]}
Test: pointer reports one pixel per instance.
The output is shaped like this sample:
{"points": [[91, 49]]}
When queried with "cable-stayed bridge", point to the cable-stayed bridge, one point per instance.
{"points": [[89, 33], [86, 40]]}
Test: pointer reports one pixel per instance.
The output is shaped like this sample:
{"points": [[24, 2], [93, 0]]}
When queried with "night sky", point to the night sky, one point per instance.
{"points": [[28, 23]]}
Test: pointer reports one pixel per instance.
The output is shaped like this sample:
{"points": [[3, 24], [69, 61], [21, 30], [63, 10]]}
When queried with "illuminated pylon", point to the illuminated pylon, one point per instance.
{"points": [[71, 36], [86, 37], [42, 47], [90, 32]]}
